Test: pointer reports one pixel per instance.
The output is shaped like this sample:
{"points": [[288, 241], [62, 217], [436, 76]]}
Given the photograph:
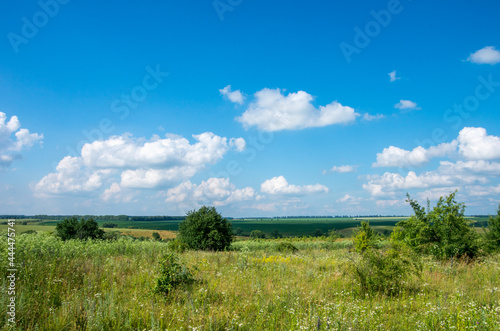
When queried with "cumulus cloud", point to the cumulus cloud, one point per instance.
{"points": [[398, 157], [393, 77], [389, 183], [486, 55], [476, 144], [126, 152], [279, 185], [10, 147], [138, 163], [406, 105], [271, 110], [71, 177], [216, 191], [233, 96]]}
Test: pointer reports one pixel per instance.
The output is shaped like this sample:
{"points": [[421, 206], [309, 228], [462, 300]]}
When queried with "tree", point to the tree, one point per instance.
{"points": [[493, 231], [71, 228], [109, 225], [257, 234], [156, 236], [205, 229], [443, 231]]}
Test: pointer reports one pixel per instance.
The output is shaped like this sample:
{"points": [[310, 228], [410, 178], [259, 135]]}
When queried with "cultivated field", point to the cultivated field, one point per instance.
{"points": [[107, 285]]}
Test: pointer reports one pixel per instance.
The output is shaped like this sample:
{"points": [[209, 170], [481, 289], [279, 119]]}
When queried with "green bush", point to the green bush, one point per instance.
{"points": [[492, 235], [177, 245], [156, 236], [317, 233], [109, 225], [286, 247], [385, 272], [71, 228], [443, 232], [364, 237], [205, 229], [172, 275], [257, 234], [276, 234]]}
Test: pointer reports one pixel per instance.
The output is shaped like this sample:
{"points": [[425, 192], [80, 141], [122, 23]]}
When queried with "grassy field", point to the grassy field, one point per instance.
{"points": [[78, 285]]}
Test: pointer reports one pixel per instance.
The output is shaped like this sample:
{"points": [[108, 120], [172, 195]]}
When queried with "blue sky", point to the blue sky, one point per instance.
{"points": [[258, 108]]}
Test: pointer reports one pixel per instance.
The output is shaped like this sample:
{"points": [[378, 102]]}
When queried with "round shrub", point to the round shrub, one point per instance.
{"points": [[206, 229]]}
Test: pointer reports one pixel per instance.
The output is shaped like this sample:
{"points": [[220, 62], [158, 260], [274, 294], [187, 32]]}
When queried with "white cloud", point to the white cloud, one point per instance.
{"points": [[117, 194], [10, 148], [393, 77], [216, 191], [273, 111], [71, 177], [279, 185], [389, 203], [476, 144], [154, 178], [389, 183], [233, 96], [406, 105], [476, 167], [343, 168], [481, 190], [471, 143], [486, 55], [368, 117], [126, 152], [349, 200], [139, 163], [398, 157]]}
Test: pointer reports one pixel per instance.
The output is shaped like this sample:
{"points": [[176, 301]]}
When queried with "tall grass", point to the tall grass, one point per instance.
{"points": [[97, 285]]}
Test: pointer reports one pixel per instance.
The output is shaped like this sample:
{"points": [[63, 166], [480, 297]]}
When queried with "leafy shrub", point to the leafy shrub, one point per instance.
{"points": [[492, 235], [364, 237], [276, 234], [109, 225], [205, 229], [333, 235], [385, 272], [317, 233], [443, 232], [177, 245], [156, 236], [112, 235], [71, 228], [286, 247], [257, 234], [172, 275]]}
